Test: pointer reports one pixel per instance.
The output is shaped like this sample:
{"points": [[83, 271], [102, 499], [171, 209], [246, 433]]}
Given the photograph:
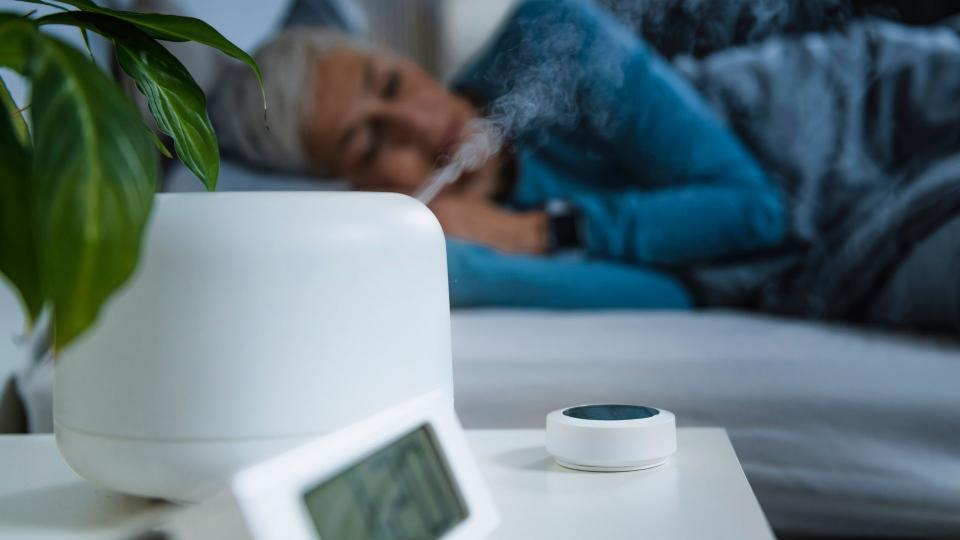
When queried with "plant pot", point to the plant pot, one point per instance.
{"points": [[254, 323]]}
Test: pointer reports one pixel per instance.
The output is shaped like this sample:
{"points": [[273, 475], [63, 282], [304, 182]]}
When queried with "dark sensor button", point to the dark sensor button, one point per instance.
{"points": [[610, 412]]}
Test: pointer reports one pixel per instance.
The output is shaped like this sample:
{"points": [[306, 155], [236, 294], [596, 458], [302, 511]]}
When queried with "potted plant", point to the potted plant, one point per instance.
{"points": [[254, 322], [77, 182]]}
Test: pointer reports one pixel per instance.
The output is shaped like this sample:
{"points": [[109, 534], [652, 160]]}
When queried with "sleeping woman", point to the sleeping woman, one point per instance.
{"points": [[628, 182]]}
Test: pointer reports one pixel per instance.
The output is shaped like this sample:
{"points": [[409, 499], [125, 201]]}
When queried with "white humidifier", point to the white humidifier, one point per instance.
{"points": [[254, 323]]}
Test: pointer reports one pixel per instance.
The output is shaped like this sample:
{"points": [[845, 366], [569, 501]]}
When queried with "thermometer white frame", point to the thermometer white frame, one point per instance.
{"points": [[266, 501]]}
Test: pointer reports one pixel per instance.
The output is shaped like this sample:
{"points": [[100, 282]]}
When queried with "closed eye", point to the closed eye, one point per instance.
{"points": [[392, 87]]}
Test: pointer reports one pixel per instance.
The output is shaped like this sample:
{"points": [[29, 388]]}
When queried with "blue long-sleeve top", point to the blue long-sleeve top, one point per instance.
{"points": [[602, 122]]}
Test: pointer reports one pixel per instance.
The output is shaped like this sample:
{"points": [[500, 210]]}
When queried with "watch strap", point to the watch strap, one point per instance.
{"points": [[564, 226]]}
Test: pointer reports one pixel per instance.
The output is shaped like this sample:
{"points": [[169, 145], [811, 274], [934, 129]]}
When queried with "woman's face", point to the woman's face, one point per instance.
{"points": [[380, 121]]}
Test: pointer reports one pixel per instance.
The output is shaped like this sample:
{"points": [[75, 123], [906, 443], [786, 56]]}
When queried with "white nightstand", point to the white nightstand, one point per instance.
{"points": [[700, 493]]}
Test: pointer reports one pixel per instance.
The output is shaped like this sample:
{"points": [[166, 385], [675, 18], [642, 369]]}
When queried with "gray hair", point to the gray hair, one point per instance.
{"points": [[236, 107]]}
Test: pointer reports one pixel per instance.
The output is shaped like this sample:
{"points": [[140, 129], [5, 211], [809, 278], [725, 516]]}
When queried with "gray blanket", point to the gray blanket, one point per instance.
{"points": [[861, 128]]}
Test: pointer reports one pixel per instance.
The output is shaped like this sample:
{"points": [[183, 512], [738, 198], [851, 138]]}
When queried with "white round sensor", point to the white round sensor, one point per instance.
{"points": [[611, 437]]}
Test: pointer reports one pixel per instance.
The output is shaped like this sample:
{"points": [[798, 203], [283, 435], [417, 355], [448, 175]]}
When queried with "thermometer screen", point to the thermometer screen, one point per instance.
{"points": [[401, 492]]}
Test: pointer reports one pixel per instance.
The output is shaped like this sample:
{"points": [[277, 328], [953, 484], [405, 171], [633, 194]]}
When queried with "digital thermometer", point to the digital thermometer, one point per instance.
{"points": [[404, 474]]}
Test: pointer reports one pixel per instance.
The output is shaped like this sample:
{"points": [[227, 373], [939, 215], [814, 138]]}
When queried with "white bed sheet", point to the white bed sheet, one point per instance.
{"points": [[840, 431]]}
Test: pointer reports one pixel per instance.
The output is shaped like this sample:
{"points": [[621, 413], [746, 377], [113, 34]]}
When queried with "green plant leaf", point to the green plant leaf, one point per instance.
{"points": [[175, 99], [95, 173], [18, 253], [174, 28], [44, 3], [177, 104], [86, 43], [15, 35], [14, 113], [162, 148]]}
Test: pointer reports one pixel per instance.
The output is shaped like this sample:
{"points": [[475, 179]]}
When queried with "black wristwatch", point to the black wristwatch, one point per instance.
{"points": [[564, 228]]}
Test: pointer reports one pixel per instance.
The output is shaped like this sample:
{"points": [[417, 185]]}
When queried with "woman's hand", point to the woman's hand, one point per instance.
{"points": [[479, 220]]}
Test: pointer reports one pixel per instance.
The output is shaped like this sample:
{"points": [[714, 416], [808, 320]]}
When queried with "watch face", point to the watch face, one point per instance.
{"points": [[402, 491], [610, 412]]}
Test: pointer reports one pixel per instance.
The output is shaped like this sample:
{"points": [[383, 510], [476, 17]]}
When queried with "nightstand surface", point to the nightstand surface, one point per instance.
{"points": [[700, 493]]}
